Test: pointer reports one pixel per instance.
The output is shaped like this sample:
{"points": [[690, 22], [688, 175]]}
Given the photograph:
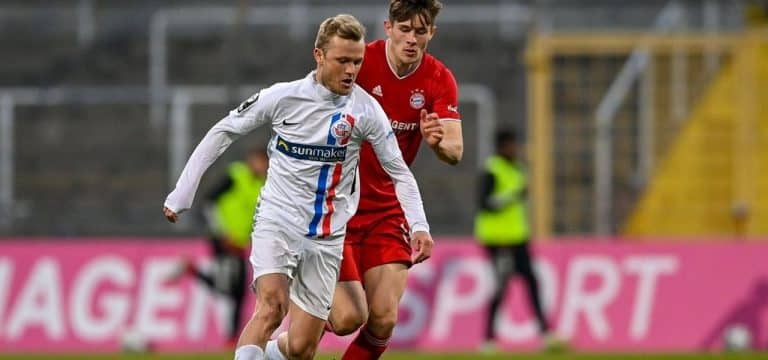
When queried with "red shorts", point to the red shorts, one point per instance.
{"points": [[372, 240]]}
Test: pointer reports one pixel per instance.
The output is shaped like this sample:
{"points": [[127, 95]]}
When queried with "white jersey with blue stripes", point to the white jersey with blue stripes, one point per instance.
{"points": [[314, 150]]}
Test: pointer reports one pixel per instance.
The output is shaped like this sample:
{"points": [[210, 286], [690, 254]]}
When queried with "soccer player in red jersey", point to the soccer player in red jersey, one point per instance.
{"points": [[420, 97]]}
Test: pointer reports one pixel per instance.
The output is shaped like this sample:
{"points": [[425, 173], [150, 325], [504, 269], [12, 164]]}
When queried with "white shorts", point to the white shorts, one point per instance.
{"points": [[312, 265]]}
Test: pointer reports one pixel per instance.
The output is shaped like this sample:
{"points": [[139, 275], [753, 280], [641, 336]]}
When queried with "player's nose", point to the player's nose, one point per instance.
{"points": [[350, 68], [410, 38]]}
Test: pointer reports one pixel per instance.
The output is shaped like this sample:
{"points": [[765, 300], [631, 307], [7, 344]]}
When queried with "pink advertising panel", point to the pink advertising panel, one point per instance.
{"points": [[85, 295]]}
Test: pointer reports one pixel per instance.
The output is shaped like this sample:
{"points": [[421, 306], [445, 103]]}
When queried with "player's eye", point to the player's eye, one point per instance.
{"points": [[358, 62]]}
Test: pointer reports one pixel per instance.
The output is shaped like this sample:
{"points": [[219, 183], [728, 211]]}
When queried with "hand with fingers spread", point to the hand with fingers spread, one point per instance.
{"points": [[422, 244], [431, 128]]}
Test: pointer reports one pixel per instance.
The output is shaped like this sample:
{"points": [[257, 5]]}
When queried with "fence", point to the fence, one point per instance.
{"points": [[579, 154]]}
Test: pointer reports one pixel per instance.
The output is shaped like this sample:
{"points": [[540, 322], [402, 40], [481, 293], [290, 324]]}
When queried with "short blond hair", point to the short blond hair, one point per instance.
{"points": [[343, 25]]}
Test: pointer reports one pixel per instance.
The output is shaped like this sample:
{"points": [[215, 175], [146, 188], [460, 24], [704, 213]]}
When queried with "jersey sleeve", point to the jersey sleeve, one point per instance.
{"points": [[378, 132], [252, 113], [255, 111], [446, 103]]}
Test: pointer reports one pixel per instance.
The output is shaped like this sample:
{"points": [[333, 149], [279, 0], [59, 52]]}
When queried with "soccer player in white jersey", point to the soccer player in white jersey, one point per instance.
{"points": [[318, 124]]}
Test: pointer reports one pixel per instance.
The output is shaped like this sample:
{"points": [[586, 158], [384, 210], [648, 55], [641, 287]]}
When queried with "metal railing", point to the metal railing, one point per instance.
{"points": [[6, 160], [179, 135], [294, 16], [185, 97], [639, 67], [24, 96]]}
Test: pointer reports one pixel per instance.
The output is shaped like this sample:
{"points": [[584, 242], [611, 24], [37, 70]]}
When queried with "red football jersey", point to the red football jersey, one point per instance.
{"points": [[431, 86]]}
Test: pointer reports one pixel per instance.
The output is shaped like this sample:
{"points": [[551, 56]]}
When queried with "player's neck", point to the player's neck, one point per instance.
{"points": [[326, 90], [401, 69]]}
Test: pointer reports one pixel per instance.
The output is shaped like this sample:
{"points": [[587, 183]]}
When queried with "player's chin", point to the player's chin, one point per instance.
{"points": [[345, 87], [343, 92]]}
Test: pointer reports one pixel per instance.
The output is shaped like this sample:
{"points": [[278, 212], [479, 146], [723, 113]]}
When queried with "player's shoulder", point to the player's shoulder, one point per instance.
{"points": [[362, 97], [375, 54], [282, 88], [364, 101], [268, 97], [436, 68], [375, 46]]}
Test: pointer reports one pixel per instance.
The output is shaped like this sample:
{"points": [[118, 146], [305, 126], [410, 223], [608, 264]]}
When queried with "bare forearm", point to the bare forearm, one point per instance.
{"points": [[449, 151]]}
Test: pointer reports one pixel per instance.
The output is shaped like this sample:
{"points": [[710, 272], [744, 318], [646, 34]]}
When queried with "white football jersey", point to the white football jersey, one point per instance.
{"points": [[314, 152]]}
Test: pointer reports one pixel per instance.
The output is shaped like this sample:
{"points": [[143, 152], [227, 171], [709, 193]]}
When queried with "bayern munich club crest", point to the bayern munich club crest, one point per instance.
{"points": [[417, 99], [342, 130]]}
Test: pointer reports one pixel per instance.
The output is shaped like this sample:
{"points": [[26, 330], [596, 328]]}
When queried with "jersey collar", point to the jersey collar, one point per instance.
{"points": [[392, 68], [324, 93]]}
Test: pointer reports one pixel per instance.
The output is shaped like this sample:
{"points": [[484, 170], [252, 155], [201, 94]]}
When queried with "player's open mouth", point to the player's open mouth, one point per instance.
{"points": [[347, 82]]}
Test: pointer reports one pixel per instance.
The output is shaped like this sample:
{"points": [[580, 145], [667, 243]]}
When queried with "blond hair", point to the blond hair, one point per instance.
{"points": [[343, 25]]}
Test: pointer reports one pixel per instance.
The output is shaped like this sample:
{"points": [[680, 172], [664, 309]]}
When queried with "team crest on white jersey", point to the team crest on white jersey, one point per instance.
{"points": [[417, 99], [341, 130]]}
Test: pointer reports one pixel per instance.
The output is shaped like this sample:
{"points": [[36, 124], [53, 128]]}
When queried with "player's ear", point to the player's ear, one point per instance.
{"points": [[388, 27], [432, 31], [319, 56]]}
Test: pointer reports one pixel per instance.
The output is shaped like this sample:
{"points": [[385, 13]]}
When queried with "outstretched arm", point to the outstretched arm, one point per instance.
{"points": [[379, 134], [248, 116], [410, 200], [210, 148]]}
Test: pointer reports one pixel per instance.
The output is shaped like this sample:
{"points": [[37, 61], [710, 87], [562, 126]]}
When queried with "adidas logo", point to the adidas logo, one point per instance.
{"points": [[377, 90]]}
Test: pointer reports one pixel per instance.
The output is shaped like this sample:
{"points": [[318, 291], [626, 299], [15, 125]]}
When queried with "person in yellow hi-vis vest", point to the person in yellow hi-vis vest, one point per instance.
{"points": [[501, 226], [230, 210]]}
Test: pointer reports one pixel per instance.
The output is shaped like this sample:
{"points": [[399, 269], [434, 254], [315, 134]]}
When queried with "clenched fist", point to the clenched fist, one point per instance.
{"points": [[431, 128]]}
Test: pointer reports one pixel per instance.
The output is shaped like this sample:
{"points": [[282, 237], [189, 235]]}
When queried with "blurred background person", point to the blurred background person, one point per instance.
{"points": [[230, 210], [501, 226]]}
